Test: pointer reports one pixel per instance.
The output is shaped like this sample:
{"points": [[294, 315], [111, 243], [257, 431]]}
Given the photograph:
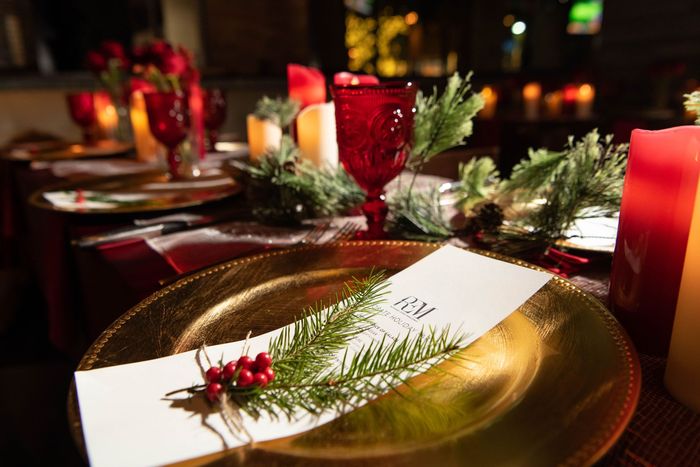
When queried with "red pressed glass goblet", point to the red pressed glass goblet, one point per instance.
{"points": [[82, 110], [169, 120], [374, 125], [214, 114]]}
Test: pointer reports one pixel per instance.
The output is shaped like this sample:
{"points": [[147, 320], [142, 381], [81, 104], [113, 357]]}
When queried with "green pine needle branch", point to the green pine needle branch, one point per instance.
{"points": [[420, 219], [305, 358], [692, 104], [280, 110], [585, 179], [443, 121], [283, 188]]}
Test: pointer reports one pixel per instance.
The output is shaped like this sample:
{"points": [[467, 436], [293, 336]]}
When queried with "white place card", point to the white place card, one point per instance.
{"points": [[126, 421]]}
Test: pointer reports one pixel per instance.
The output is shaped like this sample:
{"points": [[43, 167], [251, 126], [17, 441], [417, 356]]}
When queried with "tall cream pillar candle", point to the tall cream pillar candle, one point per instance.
{"points": [[144, 141], [316, 135], [262, 135], [683, 366]]}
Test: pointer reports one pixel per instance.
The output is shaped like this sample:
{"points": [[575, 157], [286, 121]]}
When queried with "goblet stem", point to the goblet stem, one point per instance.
{"points": [[173, 163], [213, 137], [375, 210], [89, 136]]}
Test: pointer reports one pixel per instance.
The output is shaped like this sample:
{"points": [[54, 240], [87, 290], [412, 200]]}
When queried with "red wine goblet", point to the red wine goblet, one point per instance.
{"points": [[214, 114], [375, 133], [82, 110], [169, 120]]}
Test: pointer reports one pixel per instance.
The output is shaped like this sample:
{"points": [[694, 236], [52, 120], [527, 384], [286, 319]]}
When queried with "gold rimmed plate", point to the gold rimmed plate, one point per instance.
{"points": [[134, 193], [554, 383], [60, 151]]}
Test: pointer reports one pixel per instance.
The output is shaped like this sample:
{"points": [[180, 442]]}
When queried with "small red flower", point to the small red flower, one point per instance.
{"points": [[96, 62]]}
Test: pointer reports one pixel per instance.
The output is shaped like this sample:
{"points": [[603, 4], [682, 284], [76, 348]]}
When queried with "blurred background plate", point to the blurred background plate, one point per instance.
{"points": [[57, 151], [138, 192], [555, 383]]}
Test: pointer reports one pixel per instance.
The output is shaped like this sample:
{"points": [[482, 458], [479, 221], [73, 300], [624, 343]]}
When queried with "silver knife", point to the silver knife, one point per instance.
{"points": [[144, 232]]}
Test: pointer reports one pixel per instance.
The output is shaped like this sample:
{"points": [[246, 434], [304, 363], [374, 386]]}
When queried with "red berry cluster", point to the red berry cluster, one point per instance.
{"points": [[246, 372]]}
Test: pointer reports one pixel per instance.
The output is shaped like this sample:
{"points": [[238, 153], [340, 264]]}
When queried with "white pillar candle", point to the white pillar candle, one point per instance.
{"points": [[262, 135], [316, 135], [682, 377]]}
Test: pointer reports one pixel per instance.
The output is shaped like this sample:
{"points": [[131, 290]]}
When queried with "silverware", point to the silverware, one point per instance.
{"points": [[312, 237], [143, 232]]}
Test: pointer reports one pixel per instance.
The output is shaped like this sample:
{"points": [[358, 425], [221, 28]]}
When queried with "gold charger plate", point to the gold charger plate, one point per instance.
{"points": [[555, 383], [139, 192], [64, 151]]}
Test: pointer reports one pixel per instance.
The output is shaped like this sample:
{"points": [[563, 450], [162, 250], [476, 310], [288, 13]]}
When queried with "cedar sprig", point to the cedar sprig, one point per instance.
{"points": [[443, 121]]}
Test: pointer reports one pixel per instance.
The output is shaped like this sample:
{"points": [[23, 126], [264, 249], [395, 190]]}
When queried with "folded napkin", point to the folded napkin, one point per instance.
{"points": [[195, 249], [76, 200]]}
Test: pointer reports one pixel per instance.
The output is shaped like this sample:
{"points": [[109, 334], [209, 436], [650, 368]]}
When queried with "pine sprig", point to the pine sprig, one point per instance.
{"points": [[316, 370], [538, 171], [587, 183], [280, 110], [322, 331], [443, 122], [373, 371], [421, 218], [281, 188]]}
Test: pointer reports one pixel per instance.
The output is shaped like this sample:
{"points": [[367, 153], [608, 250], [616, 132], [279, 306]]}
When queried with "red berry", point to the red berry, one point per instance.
{"points": [[245, 378], [245, 362], [263, 360], [214, 374], [269, 373], [213, 391], [259, 379], [229, 370]]}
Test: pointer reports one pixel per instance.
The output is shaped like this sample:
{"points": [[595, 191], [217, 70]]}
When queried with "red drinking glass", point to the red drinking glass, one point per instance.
{"points": [[82, 110], [374, 125], [214, 114], [169, 120]]}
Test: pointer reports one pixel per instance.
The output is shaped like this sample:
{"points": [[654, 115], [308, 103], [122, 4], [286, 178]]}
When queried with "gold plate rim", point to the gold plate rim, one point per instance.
{"points": [[586, 454]]}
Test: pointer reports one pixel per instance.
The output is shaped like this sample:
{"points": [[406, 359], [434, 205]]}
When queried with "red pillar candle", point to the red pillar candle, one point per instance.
{"points": [[196, 104], [306, 85], [657, 206]]}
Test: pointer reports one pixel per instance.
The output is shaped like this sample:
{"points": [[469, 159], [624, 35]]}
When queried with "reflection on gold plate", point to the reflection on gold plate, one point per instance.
{"points": [[58, 151], [555, 383], [133, 193]]}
